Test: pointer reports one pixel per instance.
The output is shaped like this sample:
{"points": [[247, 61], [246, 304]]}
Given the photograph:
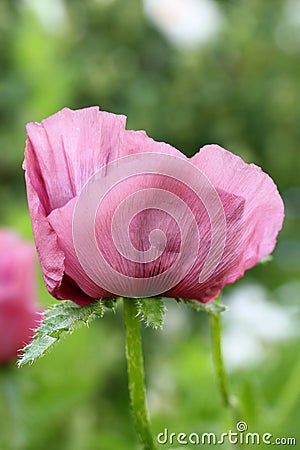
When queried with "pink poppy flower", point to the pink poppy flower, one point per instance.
{"points": [[19, 313], [115, 213]]}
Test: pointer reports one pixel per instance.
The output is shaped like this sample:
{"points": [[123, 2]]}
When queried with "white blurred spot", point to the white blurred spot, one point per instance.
{"points": [[185, 22], [51, 13], [293, 12], [252, 324], [290, 292], [176, 320], [288, 30]]}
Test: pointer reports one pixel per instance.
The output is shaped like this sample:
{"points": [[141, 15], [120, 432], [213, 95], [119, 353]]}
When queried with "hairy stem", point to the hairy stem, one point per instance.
{"points": [[136, 378]]}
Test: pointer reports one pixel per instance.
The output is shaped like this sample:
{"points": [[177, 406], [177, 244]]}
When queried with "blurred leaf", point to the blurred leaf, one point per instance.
{"points": [[152, 311], [266, 259], [63, 318]]}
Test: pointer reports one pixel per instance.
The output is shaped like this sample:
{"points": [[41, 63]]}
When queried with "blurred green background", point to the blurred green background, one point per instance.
{"points": [[227, 72]]}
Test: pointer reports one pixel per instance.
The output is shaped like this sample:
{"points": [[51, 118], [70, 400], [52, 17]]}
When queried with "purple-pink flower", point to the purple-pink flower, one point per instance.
{"points": [[115, 213], [19, 313]]}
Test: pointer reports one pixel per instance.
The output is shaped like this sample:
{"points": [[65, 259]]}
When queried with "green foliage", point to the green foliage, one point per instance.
{"points": [[152, 311], [214, 307], [63, 318]]}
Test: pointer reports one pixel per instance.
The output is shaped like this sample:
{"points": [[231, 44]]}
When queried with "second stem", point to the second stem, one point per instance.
{"points": [[216, 339]]}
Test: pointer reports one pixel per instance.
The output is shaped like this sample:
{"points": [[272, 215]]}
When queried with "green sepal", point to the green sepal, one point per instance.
{"points": [[214, 307], [110, 303], [152, 311], [61, 319]]}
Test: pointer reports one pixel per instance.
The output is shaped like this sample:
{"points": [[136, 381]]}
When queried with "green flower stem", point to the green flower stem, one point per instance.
{"points": [[136, 379], [216, 340]]}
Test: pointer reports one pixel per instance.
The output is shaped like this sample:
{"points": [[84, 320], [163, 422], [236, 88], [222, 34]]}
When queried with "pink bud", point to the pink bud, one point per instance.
{"points": [[19, 314]]}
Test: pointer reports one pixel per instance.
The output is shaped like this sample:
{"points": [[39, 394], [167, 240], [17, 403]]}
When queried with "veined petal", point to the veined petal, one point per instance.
{"points": [[50, 255], [62, 153], [61, 222], [263, 211], [259, 222], [66, 149]]}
